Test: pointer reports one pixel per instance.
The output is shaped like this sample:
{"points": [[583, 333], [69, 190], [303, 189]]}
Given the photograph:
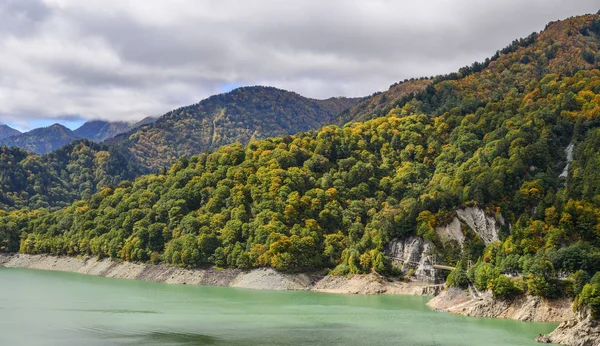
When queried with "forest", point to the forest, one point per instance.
{"points": [[493, 135]]}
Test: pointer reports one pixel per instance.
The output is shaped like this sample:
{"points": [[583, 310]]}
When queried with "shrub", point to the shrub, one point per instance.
{"points": [[458, 277], [484, 274], [503, 287], [589, 298]]}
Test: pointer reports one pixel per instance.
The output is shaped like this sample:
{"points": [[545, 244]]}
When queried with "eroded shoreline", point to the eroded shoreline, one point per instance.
{"points": [[261, 278]]}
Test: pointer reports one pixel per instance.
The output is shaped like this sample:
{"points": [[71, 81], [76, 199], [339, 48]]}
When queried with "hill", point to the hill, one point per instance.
{"points": [[7, 131], [56, 179], [238, 116], [41, 140], [495, 165], [381, 103]]}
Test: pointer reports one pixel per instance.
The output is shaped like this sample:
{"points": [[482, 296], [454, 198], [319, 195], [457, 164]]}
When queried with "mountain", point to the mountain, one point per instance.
{"points": [[145, 121], [241, 115], [495, 165], [42, 140], [57, 179], [379, 104], [7, 131], [98, 130]]}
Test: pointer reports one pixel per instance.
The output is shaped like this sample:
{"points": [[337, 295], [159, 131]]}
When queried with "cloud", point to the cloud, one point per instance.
{"points": [[124, 60]]}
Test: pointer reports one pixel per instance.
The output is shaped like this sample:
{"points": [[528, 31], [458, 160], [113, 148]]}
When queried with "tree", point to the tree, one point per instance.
{"points": [[502, 287]]}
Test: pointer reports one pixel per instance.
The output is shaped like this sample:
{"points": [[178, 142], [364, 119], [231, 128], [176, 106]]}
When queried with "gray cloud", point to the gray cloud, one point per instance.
{"points": [[130, 59]]}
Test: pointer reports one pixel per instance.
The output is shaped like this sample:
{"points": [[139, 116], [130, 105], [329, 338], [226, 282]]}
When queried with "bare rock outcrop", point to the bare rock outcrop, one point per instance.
{"points": [[451, 232], [579, 331], [526, 308], [414, 253], [374, 284], [484, 225]]}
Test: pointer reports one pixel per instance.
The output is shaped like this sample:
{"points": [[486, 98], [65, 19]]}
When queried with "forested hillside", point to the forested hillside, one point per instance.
{"points": [[59, 178], [238, 116], [42, 140], [494, 135], [380, 104]]}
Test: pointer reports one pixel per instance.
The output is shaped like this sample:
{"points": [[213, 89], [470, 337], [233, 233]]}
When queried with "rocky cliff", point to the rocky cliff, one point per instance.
{"points": [[526, 308], [580, 331], [486, 226], [417, 254]]}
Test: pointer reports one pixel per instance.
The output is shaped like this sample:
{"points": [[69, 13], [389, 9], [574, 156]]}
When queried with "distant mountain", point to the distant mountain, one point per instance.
{"points": [[42, 140], [241, 115], [99, 130], [7, 131]]}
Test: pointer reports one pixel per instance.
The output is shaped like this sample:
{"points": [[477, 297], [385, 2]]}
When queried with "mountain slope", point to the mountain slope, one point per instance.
{"points": [[238, 116], [99, 130], [7, 131], [42, 140], [56, 179], [379, 104]]}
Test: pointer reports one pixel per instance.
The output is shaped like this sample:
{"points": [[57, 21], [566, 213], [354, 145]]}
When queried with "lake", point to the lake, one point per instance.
{"points": [[40, 308]]}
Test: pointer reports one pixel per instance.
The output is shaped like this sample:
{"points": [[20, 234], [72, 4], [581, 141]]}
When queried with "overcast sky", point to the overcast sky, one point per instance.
{"points": [[70, 60]]}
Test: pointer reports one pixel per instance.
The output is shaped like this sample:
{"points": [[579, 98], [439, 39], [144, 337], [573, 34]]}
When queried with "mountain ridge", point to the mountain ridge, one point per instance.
{"points": [[241, 115], [7, 131], [42, 140]]}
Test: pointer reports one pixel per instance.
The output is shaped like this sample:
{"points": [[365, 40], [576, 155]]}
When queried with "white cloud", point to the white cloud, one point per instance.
{"points": [[124, 60]]}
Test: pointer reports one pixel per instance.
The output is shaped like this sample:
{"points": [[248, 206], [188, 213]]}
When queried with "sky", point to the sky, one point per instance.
{"points": [[68, 61]]}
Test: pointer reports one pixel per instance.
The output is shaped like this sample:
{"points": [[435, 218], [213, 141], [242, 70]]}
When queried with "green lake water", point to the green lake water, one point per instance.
{"points": [[40, 308]]}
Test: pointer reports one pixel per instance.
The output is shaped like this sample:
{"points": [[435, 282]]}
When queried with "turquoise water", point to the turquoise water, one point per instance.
{"points": [[51, 308]]}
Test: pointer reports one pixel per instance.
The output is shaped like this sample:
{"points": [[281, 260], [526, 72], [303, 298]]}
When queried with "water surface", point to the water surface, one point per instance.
{"points": [[40, 308]]}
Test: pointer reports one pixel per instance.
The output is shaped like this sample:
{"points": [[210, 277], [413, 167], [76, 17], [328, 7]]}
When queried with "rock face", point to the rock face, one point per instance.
{"points": [[451, 232], [414, 253], [527, 308], [485, 226], [569, 154], [580, 331]]}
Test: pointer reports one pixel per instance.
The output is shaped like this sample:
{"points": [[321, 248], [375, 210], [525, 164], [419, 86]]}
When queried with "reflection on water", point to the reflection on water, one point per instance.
{"points": [[162, 338], [52, 309]]}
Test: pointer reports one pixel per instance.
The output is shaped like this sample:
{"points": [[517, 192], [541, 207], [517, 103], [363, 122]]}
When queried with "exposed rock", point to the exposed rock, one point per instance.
{"points": [[374, 284], [569, 153], [483, 225], [451, 232], [270, 279], [356, 284], [579, 331], [414, 253], [526, 308], [574, 333]]}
